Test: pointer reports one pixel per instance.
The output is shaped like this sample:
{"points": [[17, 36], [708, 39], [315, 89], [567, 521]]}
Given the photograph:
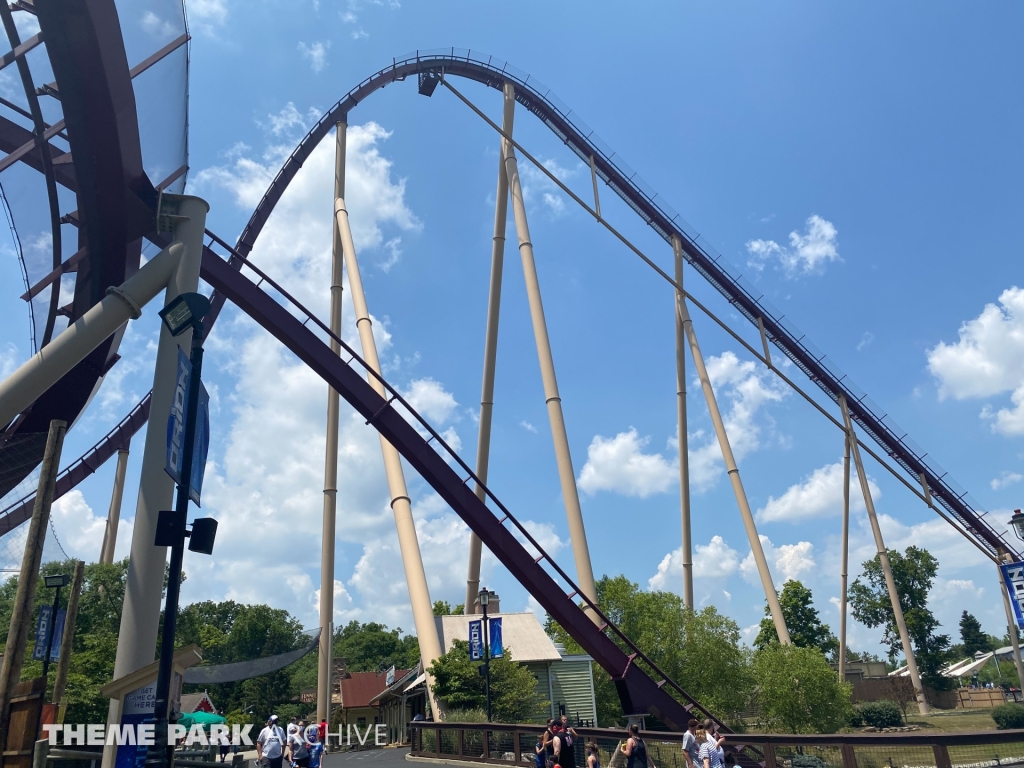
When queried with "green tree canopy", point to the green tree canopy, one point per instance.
{"points": [[700, 650], [798, 691], [802, 620], [972, 636], [913, 571], [459, 684], [444, 608]]}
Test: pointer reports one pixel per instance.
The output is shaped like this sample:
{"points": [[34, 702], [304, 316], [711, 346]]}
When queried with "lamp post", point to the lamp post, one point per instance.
{"points": [[484, 598], [1017, 523], [186, 311], [55, 583]]}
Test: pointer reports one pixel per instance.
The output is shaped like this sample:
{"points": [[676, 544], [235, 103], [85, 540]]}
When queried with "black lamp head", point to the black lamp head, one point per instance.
{"points": [[184, 311], [60, 580], [204, 531]]}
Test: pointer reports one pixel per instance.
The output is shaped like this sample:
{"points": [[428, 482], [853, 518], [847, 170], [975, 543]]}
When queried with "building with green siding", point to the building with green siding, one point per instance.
{"points": [[565, 683]]}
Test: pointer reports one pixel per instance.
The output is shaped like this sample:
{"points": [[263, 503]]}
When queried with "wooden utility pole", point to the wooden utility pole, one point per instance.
{"points": [[60, 681], [24, 600]]}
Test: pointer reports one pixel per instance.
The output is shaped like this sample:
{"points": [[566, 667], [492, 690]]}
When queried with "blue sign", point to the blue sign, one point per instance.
{"points": [[494, 636], [139, 707], [1013, 578], [176, 430], [43, 628], [476, 640]]}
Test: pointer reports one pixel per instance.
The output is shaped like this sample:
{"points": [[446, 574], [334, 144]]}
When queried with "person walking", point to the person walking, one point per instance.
{"points": [[314, 746], [297, 750], [634, 749], [711, 753], [270, 744], [593, 756], [691, 749]]}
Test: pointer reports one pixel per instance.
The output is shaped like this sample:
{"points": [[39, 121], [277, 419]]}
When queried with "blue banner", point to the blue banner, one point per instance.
{"points": [[176, 430], [497, 648], [476, 640], [1013, 578], [43, 627]]}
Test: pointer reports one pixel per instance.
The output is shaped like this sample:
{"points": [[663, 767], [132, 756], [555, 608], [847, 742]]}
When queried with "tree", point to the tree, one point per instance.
{"points": [[913, 571], [971, 635], [700, 650], [802, 620], [460, 685], [798, 691], [444, 608]]}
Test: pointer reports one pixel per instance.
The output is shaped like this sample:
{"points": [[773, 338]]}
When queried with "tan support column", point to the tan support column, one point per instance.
{"points": [[846, 560], [684, 447], [140, 615], [483, 443], [114, 513], [24, 599], [883, 560], [1011, 622], [415, 577], [60, 680], [570, 494], [734, 477], [323, 677]]}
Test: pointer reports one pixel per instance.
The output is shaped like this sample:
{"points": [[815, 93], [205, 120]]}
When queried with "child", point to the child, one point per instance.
{"points": [[314, 746], [540, 756], [593, 756]]}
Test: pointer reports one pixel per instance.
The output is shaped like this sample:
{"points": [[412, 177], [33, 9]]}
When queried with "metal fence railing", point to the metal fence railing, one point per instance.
{"points": [[513, 744]]}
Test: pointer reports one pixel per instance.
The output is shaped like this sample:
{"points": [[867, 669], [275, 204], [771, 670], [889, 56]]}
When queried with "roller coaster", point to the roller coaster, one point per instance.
{"points": [[100, 161]]}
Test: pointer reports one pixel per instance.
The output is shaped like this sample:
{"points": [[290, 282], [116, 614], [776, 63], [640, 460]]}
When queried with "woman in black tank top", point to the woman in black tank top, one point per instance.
{"points": [[634, 749]]}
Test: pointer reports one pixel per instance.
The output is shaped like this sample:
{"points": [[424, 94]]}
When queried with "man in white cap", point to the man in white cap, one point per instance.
{"points": [[270, 744]]}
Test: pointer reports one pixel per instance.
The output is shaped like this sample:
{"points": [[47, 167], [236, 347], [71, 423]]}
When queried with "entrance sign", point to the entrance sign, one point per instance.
{"points": [[176, 429], [1013, 578]]}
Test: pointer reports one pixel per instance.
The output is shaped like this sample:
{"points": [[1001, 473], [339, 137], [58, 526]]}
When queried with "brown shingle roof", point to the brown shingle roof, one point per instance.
{"points": [[361, 688]]}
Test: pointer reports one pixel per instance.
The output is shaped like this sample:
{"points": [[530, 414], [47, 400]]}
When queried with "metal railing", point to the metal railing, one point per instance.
{"points": [[513, 744]]}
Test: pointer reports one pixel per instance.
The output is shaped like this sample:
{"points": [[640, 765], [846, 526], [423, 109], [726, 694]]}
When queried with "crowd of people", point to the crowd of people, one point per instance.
{"points": [[702, 747], [302, 745]]}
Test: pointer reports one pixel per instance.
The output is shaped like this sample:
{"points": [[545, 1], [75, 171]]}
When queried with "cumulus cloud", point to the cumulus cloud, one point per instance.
{"points": [[207, 16], [315, 53], [619, 464], [537, 186], [745, 389], [80, 530], [154, 25], [789, 561], [714, 560], [1005, 480], [808, 253], [820, 494], [987, 360]]}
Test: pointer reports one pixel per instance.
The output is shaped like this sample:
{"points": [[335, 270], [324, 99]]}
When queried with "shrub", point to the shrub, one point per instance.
{"points": [[856, 718], [1008, 716], [882, 714], [808, 761], [466, 716]]}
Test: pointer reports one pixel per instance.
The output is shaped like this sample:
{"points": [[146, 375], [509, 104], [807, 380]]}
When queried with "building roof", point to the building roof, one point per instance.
{"points": [[197, 702], [521, 632], [360, 689]]}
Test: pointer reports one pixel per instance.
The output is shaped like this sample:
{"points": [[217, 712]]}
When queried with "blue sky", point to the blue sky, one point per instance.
{"points": [[860, 163]]}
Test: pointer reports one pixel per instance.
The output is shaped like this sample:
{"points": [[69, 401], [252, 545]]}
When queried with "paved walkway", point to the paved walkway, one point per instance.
{"points": [[369, 758]]}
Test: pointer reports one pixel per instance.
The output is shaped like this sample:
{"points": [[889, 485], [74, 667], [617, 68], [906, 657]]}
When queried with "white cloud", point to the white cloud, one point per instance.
{"points": [[528, 426], [536, 183], [820, 494], [80, 531], [316, 54], [430, 399], [207, 15], [865, 340], [156, 26], [807, 253], [745, 388], [358, 34], [987, 360], [714, 560], [1005, 480], [789, 561], [619, 464], [344, 610]]}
